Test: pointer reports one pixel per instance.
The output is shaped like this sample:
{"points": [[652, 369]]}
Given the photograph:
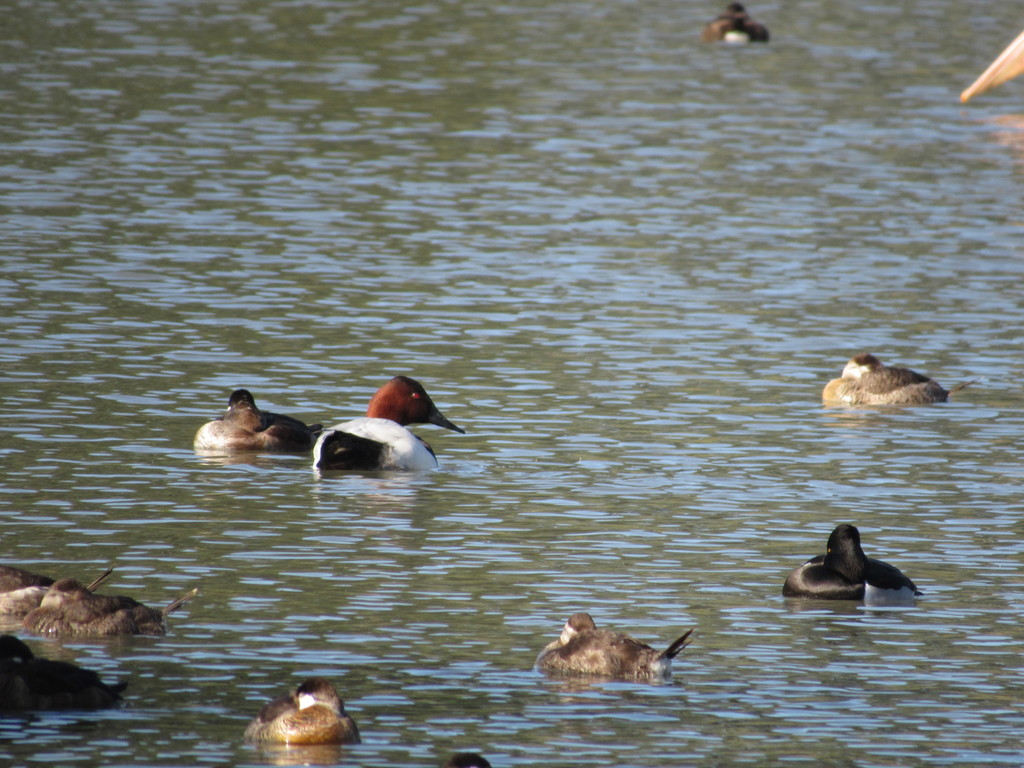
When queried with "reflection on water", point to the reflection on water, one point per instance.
{"points": [[316, 754], [631, 260], [1009, 132]]}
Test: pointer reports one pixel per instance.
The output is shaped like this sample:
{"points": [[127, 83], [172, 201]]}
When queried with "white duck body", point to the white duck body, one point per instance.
{"points": [[398, 448]]}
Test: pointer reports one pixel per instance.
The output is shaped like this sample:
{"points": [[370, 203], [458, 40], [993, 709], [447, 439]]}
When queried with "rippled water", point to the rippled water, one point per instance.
{"points": [[625, 262]]}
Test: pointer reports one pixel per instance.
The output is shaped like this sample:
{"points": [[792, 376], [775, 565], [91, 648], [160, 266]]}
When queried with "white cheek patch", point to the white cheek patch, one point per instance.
{"points": [[306, 700]]}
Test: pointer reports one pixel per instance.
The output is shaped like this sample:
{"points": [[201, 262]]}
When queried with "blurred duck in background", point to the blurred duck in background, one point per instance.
{"points": [[734, 26]]}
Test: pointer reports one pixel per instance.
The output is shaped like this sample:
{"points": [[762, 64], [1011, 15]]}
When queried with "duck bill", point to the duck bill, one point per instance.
{"points": [[436, 417], [1007, 65]]}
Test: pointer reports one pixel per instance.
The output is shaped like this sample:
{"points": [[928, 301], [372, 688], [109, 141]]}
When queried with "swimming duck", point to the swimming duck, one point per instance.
{"points": [[584, 649], [312, 714], [1007, 65], [30, 683], [244, 427], [68, 608], [21, 591], [380, 439], [865, 381], [734, 26], [467, 760], [844, 572]]}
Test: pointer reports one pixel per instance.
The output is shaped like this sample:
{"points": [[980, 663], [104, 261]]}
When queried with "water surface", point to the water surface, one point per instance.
{"points": [[625, 262]]}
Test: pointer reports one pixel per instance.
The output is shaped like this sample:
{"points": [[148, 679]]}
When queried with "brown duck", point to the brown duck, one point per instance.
{"points": [[865, 381], [244, 427], [68, 608], [583, 649], [312, 714], [21, 591]]}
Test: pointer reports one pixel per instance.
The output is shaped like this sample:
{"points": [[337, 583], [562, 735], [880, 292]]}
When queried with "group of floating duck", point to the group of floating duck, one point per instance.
{"points": [[64, 608], [377, 441], [381, 440], [314, 713]]}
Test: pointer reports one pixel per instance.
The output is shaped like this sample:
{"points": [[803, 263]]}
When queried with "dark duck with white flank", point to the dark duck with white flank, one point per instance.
{"points": [[734, 26], [844, 572]]}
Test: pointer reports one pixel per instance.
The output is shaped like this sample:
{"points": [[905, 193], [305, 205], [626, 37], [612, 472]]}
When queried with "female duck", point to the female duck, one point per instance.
{"points": [[22, 591], [865, 381], [844, 572], [30, 683], [734, 26], [380, 439], [68, 608], [312, 714], [244, 427], [584, 649]]}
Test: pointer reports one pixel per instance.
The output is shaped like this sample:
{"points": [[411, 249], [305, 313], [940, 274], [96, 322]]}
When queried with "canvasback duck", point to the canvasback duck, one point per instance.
{"points": [[380, 439], [865, 381], [22, 591], [467, 760], [844, 572], [312, 714], [244, 427], [68, 608], [583, 649], [734, 26], [27, 682]]}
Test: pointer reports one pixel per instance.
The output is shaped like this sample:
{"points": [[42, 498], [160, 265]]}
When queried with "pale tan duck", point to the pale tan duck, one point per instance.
{"points": [[312, 714], [865, 381]]}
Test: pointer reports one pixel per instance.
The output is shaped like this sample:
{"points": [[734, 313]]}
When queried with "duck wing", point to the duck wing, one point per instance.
{"points": [[881, 575]]}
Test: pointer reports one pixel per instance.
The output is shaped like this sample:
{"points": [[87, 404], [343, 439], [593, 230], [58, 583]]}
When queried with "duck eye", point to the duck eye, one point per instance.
{"points": [[415, 395]]}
